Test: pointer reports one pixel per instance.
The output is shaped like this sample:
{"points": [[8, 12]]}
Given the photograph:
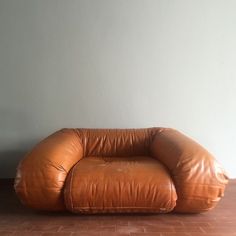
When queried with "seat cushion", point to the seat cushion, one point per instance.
{"points": [[119, 184]]}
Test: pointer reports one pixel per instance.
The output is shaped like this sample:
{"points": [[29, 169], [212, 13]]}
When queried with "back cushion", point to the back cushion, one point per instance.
{"points": [[116, 142]]}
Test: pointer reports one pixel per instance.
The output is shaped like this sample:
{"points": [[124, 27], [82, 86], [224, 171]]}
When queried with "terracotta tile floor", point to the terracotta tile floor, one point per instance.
{"points": [[18, 220]]}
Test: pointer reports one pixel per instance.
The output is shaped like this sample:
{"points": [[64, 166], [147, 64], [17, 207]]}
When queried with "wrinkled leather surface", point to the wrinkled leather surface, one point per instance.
{"points": [[117, 184], [83, 164], [199, 179], [116, 142], [41, 174]]}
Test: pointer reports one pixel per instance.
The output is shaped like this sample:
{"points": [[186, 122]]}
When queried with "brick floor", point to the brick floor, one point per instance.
{"points": [[15, 219]]}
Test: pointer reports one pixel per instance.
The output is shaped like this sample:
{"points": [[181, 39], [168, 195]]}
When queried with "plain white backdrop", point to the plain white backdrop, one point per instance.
{"points": [[117, 64]]}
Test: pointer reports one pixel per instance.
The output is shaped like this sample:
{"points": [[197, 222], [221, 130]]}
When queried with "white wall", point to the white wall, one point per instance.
{"points": [[117, 63]]}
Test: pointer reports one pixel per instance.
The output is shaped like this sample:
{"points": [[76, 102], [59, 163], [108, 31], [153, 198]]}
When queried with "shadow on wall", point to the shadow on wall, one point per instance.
{"points": [[9, 162]]}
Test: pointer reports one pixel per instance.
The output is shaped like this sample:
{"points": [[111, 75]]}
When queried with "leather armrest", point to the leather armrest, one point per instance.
{"points": [[199, 179], [42, 173]]}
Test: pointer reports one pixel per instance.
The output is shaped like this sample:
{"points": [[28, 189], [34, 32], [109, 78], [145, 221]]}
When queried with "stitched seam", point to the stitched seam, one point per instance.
{"points": [[120, 202], [171, 191], [77, 132], [70, 191], [210, 185], [79, 139], [119, 208], [199, 198]]}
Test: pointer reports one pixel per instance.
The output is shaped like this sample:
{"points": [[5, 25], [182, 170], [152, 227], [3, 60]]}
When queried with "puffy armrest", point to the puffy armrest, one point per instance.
{"points": [[198, 178], [42, 173]]}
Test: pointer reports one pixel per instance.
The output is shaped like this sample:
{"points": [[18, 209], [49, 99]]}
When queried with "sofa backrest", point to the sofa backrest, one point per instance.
{"points": [[116, 142]]}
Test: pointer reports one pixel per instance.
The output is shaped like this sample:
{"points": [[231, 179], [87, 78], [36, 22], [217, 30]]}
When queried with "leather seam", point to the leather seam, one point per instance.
{"points": [[210, 185], [171, 191], [103, 208], [70, 191], [199, 198], [111, 202], [77, 132]]}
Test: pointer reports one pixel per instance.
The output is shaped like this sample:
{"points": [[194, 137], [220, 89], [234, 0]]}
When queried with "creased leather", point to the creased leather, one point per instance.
{"points": [[41, 174], [116, 142], [120, 170], [199, 180], [117, 184]]}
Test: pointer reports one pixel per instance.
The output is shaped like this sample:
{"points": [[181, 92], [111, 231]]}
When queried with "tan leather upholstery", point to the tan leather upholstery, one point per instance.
{"points": [[117, 184], [41, 174], [199, 179], [116, 142], [120, 170]]}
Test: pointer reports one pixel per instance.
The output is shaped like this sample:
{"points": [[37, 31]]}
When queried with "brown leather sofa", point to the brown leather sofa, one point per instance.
{"points": [[120, 170]]}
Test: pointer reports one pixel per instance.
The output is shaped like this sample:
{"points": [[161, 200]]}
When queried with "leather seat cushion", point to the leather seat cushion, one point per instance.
{"points": [[119, 184]]}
